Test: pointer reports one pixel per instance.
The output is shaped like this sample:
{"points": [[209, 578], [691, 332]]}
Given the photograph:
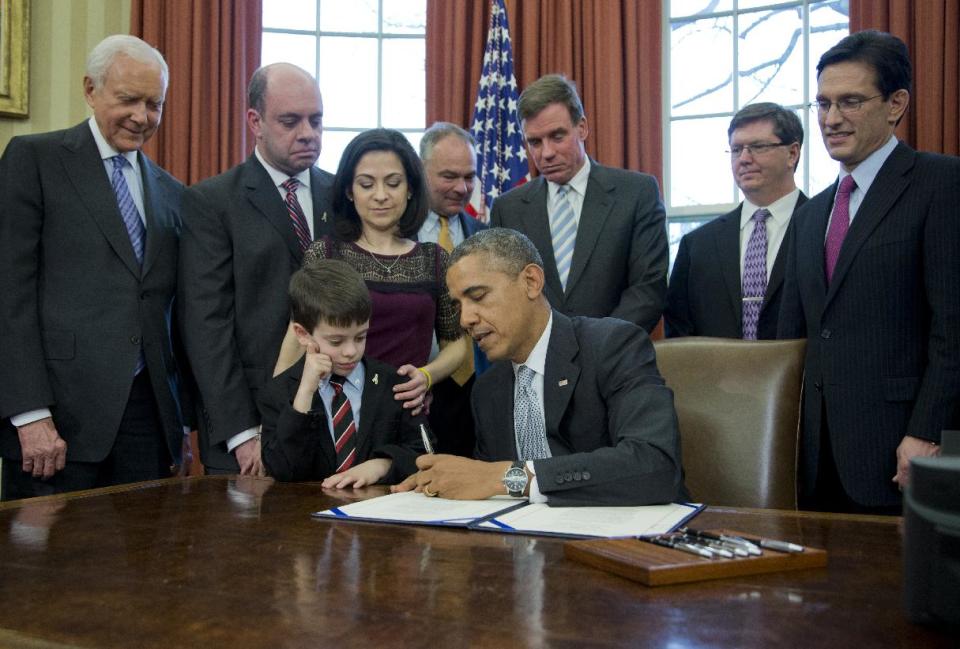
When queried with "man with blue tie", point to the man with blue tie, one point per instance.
{"points": [[450, 166], [872, 282], [88, 261]]}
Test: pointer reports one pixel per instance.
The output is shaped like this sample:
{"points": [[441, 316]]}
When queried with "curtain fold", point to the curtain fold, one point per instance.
{"points": [[212, 48], [610, 48], [931, 30]]}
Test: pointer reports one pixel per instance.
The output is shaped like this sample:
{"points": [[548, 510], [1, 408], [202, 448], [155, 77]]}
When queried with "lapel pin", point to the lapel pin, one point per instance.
{"points": [[376, 379], [324, 217], [563, 382]]}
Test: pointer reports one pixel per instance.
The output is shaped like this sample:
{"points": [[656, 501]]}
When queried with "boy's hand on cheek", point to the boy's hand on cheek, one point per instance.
{"points": [[316, 366]]}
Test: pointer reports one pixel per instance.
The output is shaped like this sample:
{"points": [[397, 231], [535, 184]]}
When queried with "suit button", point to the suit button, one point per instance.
{"points": [[818, 386], [567, 477], [577, 476], [559, 479], [825, 334], [135, 340], [143, 296], [586, 475]]}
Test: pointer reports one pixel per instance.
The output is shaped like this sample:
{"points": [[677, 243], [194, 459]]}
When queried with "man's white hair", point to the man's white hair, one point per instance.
{"points": [[103, 55]]}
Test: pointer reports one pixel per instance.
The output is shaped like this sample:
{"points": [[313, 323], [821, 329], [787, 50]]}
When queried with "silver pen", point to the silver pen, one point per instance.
{"points": [[426, 439]]}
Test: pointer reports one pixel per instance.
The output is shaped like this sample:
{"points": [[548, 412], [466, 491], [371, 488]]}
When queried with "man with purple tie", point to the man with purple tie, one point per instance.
{"points": [[872, 281]]}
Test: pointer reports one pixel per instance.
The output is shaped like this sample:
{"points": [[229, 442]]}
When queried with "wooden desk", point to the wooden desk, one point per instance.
{"points": [[220, 562]]}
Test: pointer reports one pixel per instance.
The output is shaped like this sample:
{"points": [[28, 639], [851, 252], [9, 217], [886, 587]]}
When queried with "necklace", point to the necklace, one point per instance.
{"points": [[387, 269]]}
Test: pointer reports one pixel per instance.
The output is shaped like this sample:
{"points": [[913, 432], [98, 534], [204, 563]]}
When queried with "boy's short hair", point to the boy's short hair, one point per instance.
{"points": [[330, 291]]}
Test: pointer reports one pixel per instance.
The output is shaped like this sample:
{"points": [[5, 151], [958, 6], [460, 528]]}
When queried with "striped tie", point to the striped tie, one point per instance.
{"points": [[343, 425], [755, 274], [131, 219], [563, 230], [299, 221]]}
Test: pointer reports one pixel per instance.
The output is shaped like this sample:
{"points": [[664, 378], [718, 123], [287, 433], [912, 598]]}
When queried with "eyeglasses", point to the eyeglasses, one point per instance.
{"points": [[845, 105], [754, 149]]}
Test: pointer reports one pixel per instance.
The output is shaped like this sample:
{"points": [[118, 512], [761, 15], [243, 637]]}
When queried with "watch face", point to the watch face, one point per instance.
{"points": [[515, 480]]}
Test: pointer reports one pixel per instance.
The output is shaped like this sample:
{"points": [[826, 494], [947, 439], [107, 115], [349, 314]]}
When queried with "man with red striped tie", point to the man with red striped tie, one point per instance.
{"points": [[332, 415]]}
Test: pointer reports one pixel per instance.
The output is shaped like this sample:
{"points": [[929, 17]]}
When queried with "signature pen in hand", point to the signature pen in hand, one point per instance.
{"points": [[425, 436]]}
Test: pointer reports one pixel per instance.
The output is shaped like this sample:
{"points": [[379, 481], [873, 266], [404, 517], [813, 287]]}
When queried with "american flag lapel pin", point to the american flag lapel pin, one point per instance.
{"points": [[562, 383], [376, 379]]}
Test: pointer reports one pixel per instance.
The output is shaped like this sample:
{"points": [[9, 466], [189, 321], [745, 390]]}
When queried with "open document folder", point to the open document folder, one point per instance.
{"points": [[504, 514]]}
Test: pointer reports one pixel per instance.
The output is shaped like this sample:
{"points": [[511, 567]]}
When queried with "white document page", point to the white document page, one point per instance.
{"points": [[413, 507], [607, 522]]}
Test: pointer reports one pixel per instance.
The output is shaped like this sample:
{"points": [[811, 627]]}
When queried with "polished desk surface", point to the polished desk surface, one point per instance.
{"points": [[239, 562]]}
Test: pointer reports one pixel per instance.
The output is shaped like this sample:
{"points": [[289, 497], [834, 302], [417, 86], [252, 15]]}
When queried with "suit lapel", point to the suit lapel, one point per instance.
{"points": [[316, 405], [264, 196], [84, 167], [536, 224], [154, 202], [374, 393], [728, 252], [890, 183], [560, 374], [502, 387], [318, 190], [776, 273], [596, 208]]}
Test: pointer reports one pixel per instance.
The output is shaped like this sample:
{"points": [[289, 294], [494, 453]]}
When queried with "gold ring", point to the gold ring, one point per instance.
{"points": [[431, 494]]}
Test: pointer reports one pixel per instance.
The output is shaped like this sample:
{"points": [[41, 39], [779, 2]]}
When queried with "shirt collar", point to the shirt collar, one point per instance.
{"points": [[867, 171], [537, 360], [106, 150], [354, 378], [278, 177], [780, 210], [578, 183]]}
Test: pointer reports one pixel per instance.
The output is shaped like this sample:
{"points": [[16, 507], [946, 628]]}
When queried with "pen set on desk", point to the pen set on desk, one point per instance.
{"points": [[711, 545]]}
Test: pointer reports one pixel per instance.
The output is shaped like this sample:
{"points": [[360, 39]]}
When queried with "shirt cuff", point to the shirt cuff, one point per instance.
{"points": [[30, 416], [536, 498], [240, 438]]}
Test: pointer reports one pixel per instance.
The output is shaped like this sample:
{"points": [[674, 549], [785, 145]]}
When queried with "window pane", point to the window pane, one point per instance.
{"points": [[292, 48], [823, 168], [675, 232], [701, 64], [404, 98], [348, 77], [690, 7], [405, 16], [334, 142], [771, 56], [827, 27], [290, 14], [753, 4], [699, 165], [348, 16]]}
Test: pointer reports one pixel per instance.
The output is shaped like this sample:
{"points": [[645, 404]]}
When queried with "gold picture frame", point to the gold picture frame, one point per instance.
{"points": [[14, 58]]}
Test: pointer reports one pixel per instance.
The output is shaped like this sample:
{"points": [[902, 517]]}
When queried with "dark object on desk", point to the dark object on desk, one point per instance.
{"points": [[931, 544], [652, 565]]}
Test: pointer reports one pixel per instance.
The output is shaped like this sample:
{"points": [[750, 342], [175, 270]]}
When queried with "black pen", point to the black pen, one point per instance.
{"points": [[678, 545]]}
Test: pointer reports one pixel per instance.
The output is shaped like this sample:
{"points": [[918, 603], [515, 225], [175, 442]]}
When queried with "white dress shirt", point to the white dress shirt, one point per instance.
{"points": [[781, 210]]}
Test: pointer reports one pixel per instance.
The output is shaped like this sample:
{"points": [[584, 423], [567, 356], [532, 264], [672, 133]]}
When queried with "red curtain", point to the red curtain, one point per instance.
{"points": [[931, 30], [212, 48], [610, 48]]}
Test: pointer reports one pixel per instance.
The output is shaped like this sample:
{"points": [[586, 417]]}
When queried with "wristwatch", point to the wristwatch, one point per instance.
{"points": [[515, 480]]}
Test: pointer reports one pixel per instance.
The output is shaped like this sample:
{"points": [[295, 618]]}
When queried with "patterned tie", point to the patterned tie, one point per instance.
{"points": [[343, 425], [135, 229], [528, 420], [755, 274], [128, 209], [839, 224], [300, 227], [563, 230]]}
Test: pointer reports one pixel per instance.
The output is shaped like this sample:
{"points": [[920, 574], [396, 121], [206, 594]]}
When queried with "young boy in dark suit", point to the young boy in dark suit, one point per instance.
{"points": [[332, 416]]}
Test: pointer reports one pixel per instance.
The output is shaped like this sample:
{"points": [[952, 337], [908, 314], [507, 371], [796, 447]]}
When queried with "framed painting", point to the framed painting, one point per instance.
{"points": [[14, 57]]}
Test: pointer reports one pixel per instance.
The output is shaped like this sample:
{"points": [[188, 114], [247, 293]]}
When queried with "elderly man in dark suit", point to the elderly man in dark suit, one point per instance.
{"points": [[872, 281], [573, 410], [450, 169], [88, 261], [728, 273], [244, 236], [601, 231]]}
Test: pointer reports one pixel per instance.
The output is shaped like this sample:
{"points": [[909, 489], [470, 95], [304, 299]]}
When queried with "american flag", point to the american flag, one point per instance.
{"points": [[501, 155]]}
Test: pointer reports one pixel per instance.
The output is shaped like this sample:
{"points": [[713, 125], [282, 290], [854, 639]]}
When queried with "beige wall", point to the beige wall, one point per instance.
{"points": [[62, 32]]}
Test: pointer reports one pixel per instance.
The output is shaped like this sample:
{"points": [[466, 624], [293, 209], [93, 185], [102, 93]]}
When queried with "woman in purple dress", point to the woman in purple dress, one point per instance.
{"points": [[379, 202]]}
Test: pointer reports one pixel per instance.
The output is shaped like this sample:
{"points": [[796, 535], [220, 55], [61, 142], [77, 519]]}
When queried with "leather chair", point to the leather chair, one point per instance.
{"points": [[738, 404]]}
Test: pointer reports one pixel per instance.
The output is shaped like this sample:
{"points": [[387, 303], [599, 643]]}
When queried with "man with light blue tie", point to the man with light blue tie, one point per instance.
{"points": [[450, 165], [601, 231], [88, 258]]}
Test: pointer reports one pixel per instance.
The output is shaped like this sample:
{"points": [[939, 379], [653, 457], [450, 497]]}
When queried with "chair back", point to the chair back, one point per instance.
{"points": [[738, 404]]}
